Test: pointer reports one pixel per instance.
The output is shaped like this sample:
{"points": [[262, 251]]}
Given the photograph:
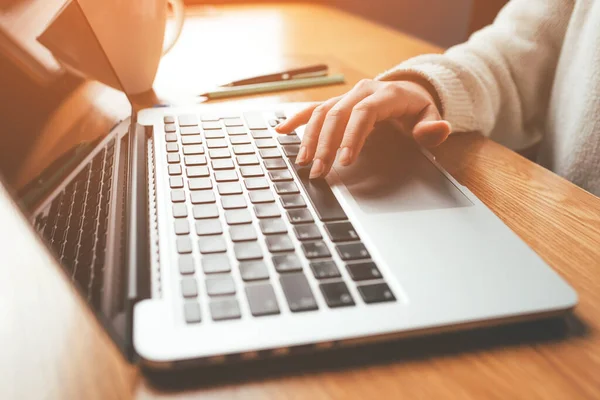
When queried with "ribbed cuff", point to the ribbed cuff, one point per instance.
{"points": [[456, 103]]}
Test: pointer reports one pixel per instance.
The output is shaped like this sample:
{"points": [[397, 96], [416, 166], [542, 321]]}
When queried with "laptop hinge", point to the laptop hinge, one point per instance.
{"points": [[138, 271]]}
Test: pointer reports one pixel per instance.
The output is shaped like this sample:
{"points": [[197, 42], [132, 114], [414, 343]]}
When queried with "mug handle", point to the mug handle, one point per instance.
{"points": [[179, 10]]}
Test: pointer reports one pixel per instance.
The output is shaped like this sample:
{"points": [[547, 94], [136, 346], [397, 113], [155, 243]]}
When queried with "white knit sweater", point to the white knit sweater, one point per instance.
{"points": [[532, 76]]}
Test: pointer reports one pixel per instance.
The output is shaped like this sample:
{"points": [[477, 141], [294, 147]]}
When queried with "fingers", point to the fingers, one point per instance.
{"points": [[312, 131], [334, 126], [430, 130], [296, 120]]}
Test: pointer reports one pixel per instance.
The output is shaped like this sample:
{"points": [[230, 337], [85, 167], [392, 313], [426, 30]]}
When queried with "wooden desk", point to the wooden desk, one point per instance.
{"points": [[53, 348]]}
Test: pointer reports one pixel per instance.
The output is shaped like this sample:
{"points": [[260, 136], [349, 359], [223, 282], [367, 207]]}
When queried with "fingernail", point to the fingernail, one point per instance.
{"points": [[346, 156], [300, 158], [317, 169]]}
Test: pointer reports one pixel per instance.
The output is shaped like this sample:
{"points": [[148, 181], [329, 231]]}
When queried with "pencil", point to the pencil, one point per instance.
{"points": [[267, 87]]}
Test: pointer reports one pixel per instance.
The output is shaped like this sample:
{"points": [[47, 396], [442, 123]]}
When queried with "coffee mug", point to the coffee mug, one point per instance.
{"points": [[131, 34]]}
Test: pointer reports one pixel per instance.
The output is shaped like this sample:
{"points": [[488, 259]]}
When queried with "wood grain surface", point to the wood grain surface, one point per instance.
{"points": [[52, 347]]}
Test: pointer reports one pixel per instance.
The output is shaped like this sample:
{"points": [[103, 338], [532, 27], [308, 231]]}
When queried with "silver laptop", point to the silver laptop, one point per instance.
{"points": [[196, 239]]}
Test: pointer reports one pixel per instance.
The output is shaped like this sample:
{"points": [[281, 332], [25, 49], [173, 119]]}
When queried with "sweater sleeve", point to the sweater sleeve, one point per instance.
{"points": [[499, 82]]}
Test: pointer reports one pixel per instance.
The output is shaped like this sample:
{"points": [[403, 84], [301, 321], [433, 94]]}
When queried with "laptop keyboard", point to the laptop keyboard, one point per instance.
{"points": [[234, 187], [76, 224]]}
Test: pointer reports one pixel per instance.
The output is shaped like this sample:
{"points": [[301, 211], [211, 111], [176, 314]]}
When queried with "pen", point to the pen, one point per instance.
{"points": [[305, 72], [298, 83]]}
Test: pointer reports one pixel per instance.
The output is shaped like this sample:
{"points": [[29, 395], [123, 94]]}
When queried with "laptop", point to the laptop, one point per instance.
{"points": [[196, 239]]}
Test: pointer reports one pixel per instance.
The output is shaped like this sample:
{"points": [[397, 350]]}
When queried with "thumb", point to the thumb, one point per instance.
{"points": [[430, 129]]}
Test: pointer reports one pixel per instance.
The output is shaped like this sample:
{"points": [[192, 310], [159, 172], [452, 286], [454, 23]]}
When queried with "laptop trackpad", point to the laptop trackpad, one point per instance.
{"points": [[392, 175]]}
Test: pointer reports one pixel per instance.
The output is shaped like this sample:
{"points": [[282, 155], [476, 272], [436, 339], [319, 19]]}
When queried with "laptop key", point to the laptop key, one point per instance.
{"points": [[220, 286], [171, 137], [247, 251], [173, 158], [193, 149], [182, 227], [197, 172], [320, 195], [200, 183], [287, 263], [214, 134], [281, 176], [243, 149], [261, 134], [170, 128], [352, 251], [247, 160], [291, 150], [188, 120], [184, 245], [315, 250], [221, 164], [209, 117], [186, 264], [279, 243], [233, 122], [255, 120], [216, 143], [212, 244], [288, 139], [189, 288], [189, 130], [268, 210], [202, 197], [251, 171], [341, 232], [191, 311], [254, 270], [176, 182], [261, 196], [363, 271], [225, 309], [376, 293], [233, 202], [292, 201], [298, 293], [324, 269], [174, 169], [300, 216], [262, 300], [172, 147], [242, 233], [215, 263], [236, 130], [208, 227], [195, 160], [275, 163], [269, 153], [180, 210], [168, 119], [229, 188], [240, 139], [286, 188], [265, 143], [193, 139], [219, 153], [236, 217], [256, 183], [307, 232], [205, 211], [226, 176], [177, 196], [272, 226], [336, 294], [208, 125]]}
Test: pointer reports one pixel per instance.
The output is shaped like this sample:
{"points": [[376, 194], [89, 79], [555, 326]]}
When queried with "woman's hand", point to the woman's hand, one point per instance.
{"points": [[346, 121]]}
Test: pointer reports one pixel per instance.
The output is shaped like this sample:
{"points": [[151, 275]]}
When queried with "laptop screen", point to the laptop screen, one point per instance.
{"points": [[52, 117]]}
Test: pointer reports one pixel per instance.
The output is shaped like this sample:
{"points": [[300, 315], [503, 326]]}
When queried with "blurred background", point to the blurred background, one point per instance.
{"points": [[442, 22]]}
